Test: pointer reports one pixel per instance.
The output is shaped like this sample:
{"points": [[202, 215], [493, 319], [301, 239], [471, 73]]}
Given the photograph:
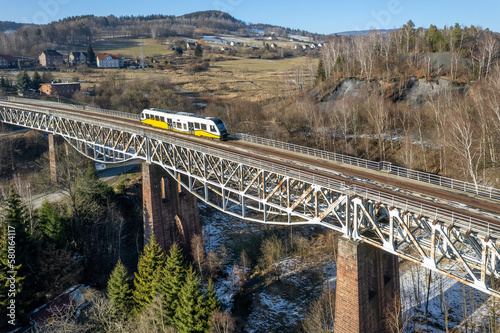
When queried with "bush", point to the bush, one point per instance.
{"points": [[196, 67]]}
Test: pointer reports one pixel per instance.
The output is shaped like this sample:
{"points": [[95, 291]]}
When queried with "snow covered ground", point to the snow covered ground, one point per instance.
{"points": [[282, 305]]}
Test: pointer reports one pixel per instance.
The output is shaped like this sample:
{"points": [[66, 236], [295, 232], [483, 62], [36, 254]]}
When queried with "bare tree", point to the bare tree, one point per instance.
{"points": [[463, 141], [321, 314], [198, 251], [222, 322]]}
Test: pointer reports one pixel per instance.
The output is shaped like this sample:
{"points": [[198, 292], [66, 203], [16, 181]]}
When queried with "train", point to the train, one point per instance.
{"points": [[185, 122]]}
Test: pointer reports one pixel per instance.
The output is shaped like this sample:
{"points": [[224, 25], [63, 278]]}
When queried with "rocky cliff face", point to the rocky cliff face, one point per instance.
{"points": [[414, 91]]}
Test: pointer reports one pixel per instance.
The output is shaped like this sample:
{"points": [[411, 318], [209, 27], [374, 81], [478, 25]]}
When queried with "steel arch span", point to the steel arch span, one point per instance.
{"points": [[255, 189]]}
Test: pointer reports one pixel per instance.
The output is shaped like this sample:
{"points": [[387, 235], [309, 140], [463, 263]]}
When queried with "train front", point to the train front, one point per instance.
{"points": [[222, 129]]}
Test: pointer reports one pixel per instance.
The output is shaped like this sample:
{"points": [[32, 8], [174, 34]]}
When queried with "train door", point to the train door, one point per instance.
{"points": [[191, 128], [169, 123]]}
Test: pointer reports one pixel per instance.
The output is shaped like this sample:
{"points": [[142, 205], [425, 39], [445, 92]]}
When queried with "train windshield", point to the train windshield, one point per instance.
{"points": [[220, 124]]}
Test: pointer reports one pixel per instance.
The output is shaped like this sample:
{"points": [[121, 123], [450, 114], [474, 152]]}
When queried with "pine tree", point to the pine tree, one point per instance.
{"points": [[50, 224], [172, 278], [91, 54], [146, 278], [198, 51], [26, 252], [212, 302], [23, 83], [190, 315], [36, 80], [120, 291], [321, 74], [7, 266]]}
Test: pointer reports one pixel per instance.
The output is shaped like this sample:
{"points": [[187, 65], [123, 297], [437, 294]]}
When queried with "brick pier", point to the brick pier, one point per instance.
{"points": [[52, 158], [367, 288], [169, 212]]}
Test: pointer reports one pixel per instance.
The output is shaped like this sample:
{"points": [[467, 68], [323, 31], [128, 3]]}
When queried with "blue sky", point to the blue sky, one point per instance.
{"points": [[312, 15]]}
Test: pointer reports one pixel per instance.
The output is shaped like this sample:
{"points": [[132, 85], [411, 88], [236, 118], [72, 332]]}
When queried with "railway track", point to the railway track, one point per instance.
{"points": [[487, 210]]}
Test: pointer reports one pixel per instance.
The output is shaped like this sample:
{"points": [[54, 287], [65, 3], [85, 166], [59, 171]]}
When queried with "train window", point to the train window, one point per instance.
{"points": [[162, 119], [204, 127], [196, 125], [157, 118], [184, 126], [212, 128]]}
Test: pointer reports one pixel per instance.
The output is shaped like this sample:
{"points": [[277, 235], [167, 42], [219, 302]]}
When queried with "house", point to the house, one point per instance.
{"points": [[190, 46], [65, 89], [77, 58], [71, 299], [7, 61], [50, 58], [108, 61]]}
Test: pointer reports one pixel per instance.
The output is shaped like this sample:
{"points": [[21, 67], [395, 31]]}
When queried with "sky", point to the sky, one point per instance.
{"points": [[312, 15]]}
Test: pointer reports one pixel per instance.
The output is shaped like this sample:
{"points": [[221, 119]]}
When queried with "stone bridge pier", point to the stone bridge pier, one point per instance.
{"points": [[53, 141], [169, 211], [367, 296]]}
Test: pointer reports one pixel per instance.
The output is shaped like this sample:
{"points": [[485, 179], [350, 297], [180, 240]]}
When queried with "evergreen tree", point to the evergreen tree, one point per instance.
{"points": [[23, 83], [91, 54], [198, 51], [212, 302], [172, 278], [120, 291], [146, 278], [50, 224], [7, 266], [36, 81], [190, 315], [91, 196], [26, 252], [321, 74]]}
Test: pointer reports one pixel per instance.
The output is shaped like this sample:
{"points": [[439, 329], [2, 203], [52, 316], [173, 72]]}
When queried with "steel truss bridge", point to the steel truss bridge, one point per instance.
{"points": [[258, 189]]}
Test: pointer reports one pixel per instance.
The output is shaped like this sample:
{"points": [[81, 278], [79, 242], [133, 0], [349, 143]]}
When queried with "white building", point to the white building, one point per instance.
{"points": [[108, 61]]}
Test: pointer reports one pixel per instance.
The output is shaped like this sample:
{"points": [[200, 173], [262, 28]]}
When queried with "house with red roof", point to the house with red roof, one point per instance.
{"points": [[108, 61]]}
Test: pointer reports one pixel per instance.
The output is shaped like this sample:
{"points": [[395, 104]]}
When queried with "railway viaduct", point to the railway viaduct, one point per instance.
{"points": [[383, 212]]}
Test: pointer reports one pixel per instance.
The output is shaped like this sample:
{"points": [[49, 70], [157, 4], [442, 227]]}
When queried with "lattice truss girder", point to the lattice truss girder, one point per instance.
{"points": [[100, 143], [254, 193], [447, 249], [259, 195]]}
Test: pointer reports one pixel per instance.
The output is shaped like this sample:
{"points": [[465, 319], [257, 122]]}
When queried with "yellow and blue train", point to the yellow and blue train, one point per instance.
{"points": [[185, 122]]}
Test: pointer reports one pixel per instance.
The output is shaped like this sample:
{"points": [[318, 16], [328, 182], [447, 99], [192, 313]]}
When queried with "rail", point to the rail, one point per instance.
{"points": [[426, 177]]}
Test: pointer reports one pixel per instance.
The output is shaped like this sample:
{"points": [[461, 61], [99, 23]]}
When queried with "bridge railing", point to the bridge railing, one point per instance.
{"points": [[76, 107], [455, 184]]}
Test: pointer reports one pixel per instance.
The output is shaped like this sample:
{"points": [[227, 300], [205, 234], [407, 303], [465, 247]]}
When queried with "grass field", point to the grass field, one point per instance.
{"points": [[131, 48], [251, 79], [227, 77]]}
